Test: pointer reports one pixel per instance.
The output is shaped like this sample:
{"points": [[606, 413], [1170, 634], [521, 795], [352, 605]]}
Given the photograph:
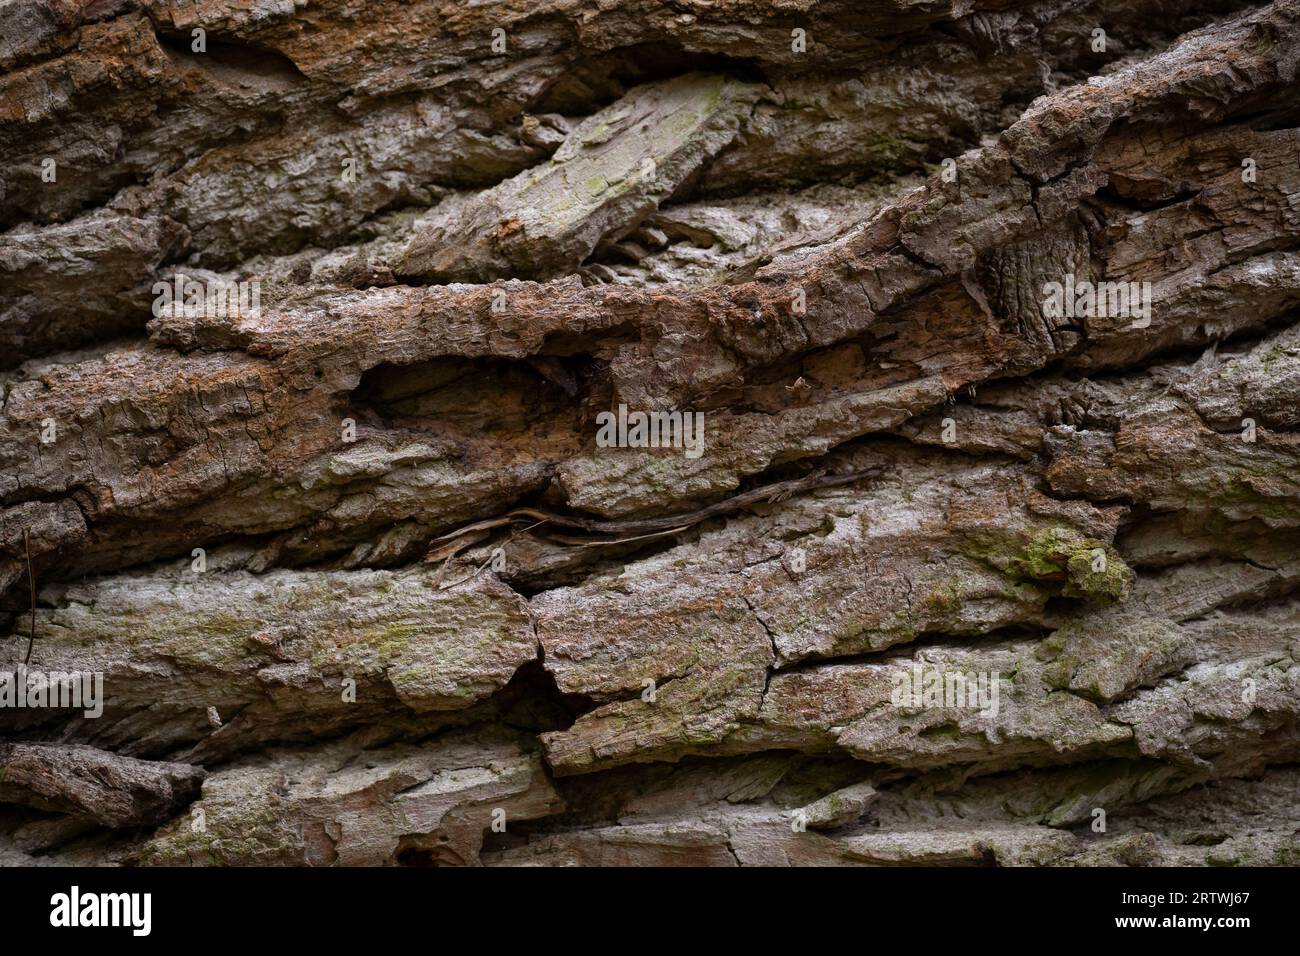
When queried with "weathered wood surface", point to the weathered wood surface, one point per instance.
{"points": [[363, 586]]}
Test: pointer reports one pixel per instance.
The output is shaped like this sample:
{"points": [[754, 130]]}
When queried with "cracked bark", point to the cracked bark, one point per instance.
{"points": [[460, 631]]}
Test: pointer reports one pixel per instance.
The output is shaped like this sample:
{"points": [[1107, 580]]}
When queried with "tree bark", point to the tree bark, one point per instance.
{"points": [[987, 548]]}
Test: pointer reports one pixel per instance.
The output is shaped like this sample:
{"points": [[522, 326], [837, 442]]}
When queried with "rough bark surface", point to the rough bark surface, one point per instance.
{"points": [[362, 584]]}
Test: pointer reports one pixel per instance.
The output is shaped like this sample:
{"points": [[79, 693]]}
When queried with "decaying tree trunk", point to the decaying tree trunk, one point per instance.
{"points": [[969, 334]]}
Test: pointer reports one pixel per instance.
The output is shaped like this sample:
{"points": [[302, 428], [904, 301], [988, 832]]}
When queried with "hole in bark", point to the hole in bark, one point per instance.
{"points": [[532, 401], [415, 850], [234, 63], [1272, 118], [532, 702], [1142, 195], [598, 80]]}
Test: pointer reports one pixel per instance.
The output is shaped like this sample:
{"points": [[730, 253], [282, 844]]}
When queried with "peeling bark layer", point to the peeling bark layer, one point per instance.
{"points": [[934, 564]]}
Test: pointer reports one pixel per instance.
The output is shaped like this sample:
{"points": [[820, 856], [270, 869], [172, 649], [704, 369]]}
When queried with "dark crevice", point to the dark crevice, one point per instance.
{"points": [[596, 80], [231, 61]]}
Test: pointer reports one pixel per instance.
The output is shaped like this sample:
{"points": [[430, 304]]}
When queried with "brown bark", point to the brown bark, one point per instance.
{"points": [[356, 560]]}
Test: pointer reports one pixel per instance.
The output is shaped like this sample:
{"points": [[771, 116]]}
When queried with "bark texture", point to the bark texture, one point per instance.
{"points": [[363, 586]]}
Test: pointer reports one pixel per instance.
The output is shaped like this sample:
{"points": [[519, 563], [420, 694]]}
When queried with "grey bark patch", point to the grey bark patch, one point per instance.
{"points": [[611, 173]]}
